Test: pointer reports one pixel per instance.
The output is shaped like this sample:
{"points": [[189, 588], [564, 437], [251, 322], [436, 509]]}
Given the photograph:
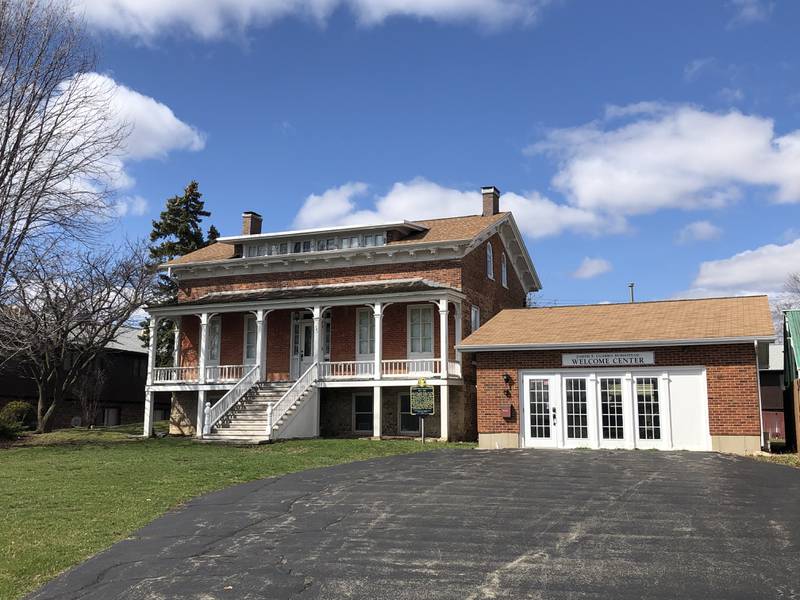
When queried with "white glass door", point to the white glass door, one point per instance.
{"points": [[650, 412], [578, 425], [306, 346], [614, 412], [541, 412]]}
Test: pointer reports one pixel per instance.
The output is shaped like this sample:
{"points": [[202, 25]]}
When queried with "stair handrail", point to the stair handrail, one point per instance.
{"points": [[299, 387], [212, 414]]}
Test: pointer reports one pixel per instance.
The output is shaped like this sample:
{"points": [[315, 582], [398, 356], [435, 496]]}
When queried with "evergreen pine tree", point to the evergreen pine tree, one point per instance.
{"points": [[177, 232]]}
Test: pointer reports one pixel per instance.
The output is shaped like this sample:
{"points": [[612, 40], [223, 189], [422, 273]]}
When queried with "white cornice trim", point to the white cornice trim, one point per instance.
{"points": [[288, 263], [239, 239], [610, 344]]}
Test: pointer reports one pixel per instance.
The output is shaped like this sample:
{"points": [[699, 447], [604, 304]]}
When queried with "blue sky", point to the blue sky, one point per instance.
{"points": [[652, 142]]}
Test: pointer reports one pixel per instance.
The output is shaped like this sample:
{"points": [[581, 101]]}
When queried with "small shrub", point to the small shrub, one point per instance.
{"points": [[9, 431], [16, 412]]}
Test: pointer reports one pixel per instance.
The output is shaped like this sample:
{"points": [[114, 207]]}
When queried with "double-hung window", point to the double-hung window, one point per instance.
{"points": [[420, 331], [365, 333], [409, 422], [362, 413], [475, 318]]}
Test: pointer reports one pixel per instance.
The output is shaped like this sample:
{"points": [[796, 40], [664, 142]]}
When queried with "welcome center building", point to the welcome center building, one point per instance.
{"points": [[674, 374]]}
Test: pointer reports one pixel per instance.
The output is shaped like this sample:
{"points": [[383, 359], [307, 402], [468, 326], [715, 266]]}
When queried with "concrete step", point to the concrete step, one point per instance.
{"points": [[242, 440]]}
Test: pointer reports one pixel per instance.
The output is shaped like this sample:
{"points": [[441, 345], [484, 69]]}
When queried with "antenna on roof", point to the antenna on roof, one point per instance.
{"points": [[632, 285]]}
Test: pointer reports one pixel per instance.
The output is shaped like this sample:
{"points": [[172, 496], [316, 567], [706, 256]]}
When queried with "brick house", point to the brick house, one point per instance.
{"points": [[678, 374], [321, 332]]}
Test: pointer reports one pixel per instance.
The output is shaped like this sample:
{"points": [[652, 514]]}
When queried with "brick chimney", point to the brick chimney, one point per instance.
{"points": [[491, 200], [251, 223]]}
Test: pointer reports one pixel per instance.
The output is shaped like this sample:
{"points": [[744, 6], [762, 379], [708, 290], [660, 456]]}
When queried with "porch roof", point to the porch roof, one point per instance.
{"points": [[367, 289]]}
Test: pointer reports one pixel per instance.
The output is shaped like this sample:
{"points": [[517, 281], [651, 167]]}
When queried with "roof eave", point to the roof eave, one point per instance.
{"points": [[614, 344]]}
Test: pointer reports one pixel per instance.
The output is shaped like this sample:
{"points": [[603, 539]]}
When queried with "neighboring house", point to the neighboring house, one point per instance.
{"points": [[121, 395], [791, 379], [772, 385], [676, 374], [321, 332]]}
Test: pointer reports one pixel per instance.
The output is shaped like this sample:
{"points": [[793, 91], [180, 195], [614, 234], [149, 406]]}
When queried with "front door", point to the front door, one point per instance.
{"points": [[541, 428], [306, 346]]}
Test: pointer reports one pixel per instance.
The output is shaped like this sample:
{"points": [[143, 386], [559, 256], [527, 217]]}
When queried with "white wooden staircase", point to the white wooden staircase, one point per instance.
{"points": [[247, 421], [261, 411]]}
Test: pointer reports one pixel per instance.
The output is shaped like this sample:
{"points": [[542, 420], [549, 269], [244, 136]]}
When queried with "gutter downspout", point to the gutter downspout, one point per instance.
{"points": [[760, 408]]}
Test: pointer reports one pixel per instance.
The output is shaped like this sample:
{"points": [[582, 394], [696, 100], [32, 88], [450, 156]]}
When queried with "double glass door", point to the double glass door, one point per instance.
{"points": [[595, 410]]}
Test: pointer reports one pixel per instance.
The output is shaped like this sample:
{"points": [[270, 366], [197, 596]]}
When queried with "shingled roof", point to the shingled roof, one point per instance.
{"points": [[708, 319], [449, 229]]}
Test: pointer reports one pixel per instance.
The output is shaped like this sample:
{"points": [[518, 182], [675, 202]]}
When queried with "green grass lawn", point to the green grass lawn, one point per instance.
{"points": [[68, 494]]}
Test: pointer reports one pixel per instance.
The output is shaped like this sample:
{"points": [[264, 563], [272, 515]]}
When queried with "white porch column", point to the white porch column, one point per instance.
{"points": [[152, 348], [444, 336], [176, 344], [148, 413], [201, 413], [444, 413], [378, 348], [203, 347], [260, 319], [376, 412], [458, 331], [316, 313]]}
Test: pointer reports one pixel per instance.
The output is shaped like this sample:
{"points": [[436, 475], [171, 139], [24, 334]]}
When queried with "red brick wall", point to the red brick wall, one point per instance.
{"points": [[279, 323], [447, 272], [731, 372], [491, 297]]}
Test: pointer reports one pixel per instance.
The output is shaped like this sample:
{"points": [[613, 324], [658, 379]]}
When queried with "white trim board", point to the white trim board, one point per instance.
{"points": [[611, 345]]}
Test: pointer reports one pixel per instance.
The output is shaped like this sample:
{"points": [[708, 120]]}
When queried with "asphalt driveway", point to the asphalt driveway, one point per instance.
{"points": [[473, 524]]}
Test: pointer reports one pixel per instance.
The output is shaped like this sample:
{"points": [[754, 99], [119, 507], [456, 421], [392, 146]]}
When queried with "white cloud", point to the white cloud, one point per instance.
{"points": [[320, 210], [214, 18], [671, 157], [153, 130], [131, 205], [698, 231], [731, 95], [749, 11], [763, 270], [697, 66], [536, 215], [592, 267]]}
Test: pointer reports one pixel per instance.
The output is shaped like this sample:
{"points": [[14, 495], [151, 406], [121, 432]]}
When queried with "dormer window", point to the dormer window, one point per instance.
{"points": [[489, 261], [350, 242]]}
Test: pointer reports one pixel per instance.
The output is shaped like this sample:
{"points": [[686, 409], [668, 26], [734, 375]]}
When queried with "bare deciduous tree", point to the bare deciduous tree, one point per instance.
{"points": [[59, 141], [89, 388], [63, 310]]}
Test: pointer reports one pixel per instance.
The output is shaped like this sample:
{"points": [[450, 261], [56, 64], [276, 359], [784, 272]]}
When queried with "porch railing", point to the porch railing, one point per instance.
{"points": [[214, 413], [216, 373], [277, 410], [175, 374], [347, 369], [225, 372], [453, 368], [411, 367]]}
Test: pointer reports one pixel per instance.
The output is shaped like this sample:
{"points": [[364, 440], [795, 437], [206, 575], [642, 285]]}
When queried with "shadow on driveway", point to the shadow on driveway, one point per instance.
{"points": [[473, 524]]}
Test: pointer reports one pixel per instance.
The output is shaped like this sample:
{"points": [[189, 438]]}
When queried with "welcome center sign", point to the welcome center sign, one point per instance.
{"points": [[608, 359]]}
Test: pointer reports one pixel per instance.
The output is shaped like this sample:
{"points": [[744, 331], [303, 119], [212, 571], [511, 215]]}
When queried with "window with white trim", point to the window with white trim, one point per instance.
{"points": [[250, 339], [503, 270], [420, 331], [475, 318], [409, 422], [214, 335], [362, 413], [489, 261], [365, 333]]}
